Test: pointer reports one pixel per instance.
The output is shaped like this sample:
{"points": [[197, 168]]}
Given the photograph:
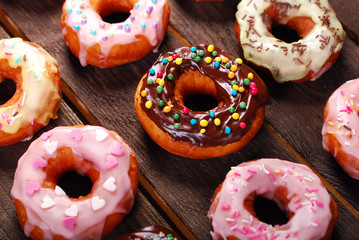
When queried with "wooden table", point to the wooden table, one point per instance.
{"points": [[174, 191]]}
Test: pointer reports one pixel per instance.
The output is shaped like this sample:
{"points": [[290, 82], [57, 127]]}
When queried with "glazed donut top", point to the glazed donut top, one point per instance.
{"points": [[56, 213], [240, 92], [36, 85], [342, 120], [145, 19], [308, 201], [310, 53]]}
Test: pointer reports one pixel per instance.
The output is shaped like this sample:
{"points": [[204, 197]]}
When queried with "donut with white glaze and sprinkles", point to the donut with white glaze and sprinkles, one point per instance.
{"points": [[321, 34], [294, 187], [37, 96], [340, 133], [44, 209], [206, 70], [103, 44]]}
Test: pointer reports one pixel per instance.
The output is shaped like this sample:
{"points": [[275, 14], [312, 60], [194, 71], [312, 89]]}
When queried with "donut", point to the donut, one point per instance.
{"points": [[202, 69], [150, 233], [44, 209], [37, 96], [321, 37], [340, 127], [294, 187], [104, 44]]}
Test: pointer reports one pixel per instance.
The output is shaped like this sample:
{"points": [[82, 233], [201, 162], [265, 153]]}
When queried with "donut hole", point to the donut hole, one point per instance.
{"points": [[196, 91], [285, 33], [75, 185], [112, 11], [7, 90], [268, 211]]}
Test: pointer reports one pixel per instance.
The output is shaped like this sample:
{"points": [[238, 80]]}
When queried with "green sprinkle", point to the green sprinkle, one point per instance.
{"points": [[201, 53], [193, 55], [176, 116], [214, 53], [177, 125], [197, 59], [161, 103], [228, 65], [159, 89], [231, 109], [170, 76], [149, 81], [233, 83], [242, 105], [246, 81]]}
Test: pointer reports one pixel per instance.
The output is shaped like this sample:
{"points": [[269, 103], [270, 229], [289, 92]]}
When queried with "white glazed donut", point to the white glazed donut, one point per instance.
{"points": [[46, 212], [104, 44], [306, 59], [294, 187]]}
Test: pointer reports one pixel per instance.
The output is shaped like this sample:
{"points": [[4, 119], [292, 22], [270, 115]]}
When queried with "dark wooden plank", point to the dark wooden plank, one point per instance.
{"points": [[197, 22]]}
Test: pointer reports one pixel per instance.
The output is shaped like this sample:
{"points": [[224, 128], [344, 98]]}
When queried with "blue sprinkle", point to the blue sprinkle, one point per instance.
{"points": [[154, 1], [17, 60], [234, 93], [77, 27], [69, 10], [227, 130], [137, 5], [152, 71], [193, 49], [126, 25], [143, 25], [12, 47], [216, 64], [93, 32], [211, 113], [79, 11], [193, 121], [164, 60]]}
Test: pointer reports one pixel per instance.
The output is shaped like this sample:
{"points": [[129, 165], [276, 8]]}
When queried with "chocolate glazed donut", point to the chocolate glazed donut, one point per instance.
{"points": [[203, 69]]}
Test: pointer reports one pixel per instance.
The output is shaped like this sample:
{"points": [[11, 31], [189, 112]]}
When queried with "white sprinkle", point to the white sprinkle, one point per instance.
{"points": [[264, 169], [229, 219], [233, 227], [308, 179], [347, 144]]}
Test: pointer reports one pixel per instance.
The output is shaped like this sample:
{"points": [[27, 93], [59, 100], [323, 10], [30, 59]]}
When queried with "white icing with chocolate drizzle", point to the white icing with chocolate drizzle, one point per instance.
{"points": [[289, 61]]}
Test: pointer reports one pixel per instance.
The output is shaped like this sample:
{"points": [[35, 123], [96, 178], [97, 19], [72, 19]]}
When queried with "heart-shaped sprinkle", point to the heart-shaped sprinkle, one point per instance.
{"points": [[97, 203], [110, 162], [46, 135], [101, 135], [69, 223], [32, 187], [72, 211], [109, 184], [59, 191], [50, 147], [117, 150], [76, 134], [39, 162], [47, 203]]}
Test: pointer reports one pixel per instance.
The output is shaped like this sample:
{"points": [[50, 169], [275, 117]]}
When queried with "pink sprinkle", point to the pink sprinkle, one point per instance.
{"points": [[233, 223], [287, 236], [249, 177], [315, 189], [19, 105], [310, 191], [8, 53], [319, 204], [271, 176], [0, 126], [235, 214], [290, 172], [110, 162], [235, 190], [276, 226], [39, 162], [32, 187], [8, 121], [32, 122], [292, 165], [226, 207], [297, 200], [69, 223], [282, 173], [312, 202], [313, 210], [236, 229], [300, 178], [298, 206], [273, 237], [295, 233], [342, 93], [260, 227], [317, 221], [117, 150], [244, 230], [251, 171], [237, 174]]}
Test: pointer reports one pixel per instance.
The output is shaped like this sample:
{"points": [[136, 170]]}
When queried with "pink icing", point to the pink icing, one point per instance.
{"points": [[235, 220], [145, 19], [342, 121], [58, 214]]}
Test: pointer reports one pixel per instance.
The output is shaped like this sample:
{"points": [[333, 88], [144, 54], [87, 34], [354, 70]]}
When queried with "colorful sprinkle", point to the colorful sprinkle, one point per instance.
{"points": [[235, 116], [239, 60], [159, 89], [177, 125], [217, 121], [167, 109], [193, 121], [203, 123], [178, 61], [250, 76], [227, 130], [208, 59], [210, 48], [170, 76], [161, 103], [185, 110], [242, 125], [148, 104]]}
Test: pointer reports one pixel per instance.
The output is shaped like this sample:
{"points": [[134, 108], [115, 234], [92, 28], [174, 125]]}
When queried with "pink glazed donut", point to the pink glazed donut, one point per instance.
{"points": [[340, 135], [104, 44], [294, 187], [43, 208]]}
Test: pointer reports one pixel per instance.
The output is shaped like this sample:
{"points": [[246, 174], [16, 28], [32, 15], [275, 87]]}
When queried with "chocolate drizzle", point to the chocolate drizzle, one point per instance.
{"points": [[229, 130], [152, 232]]}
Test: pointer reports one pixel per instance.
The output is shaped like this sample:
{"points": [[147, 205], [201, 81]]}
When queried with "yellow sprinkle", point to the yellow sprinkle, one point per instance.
{"points": [[158, 80], [235, 87], [235, 116], [352, 103], [356, 108], [210, 48], [218, 59], [250, 76], [178, 61], [161, 82], [232, 173], [330, 123], [167, 109], [347, 133], [332, 132], [203, 130], [143, 93], [339, 126], [208, 59], [241, 89], [148, 104], [277, 171], [231, 75], [239, 60], [345, 99], [170, 59], [203, 123], [234, 68], [225, 60], [217, 121]]}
